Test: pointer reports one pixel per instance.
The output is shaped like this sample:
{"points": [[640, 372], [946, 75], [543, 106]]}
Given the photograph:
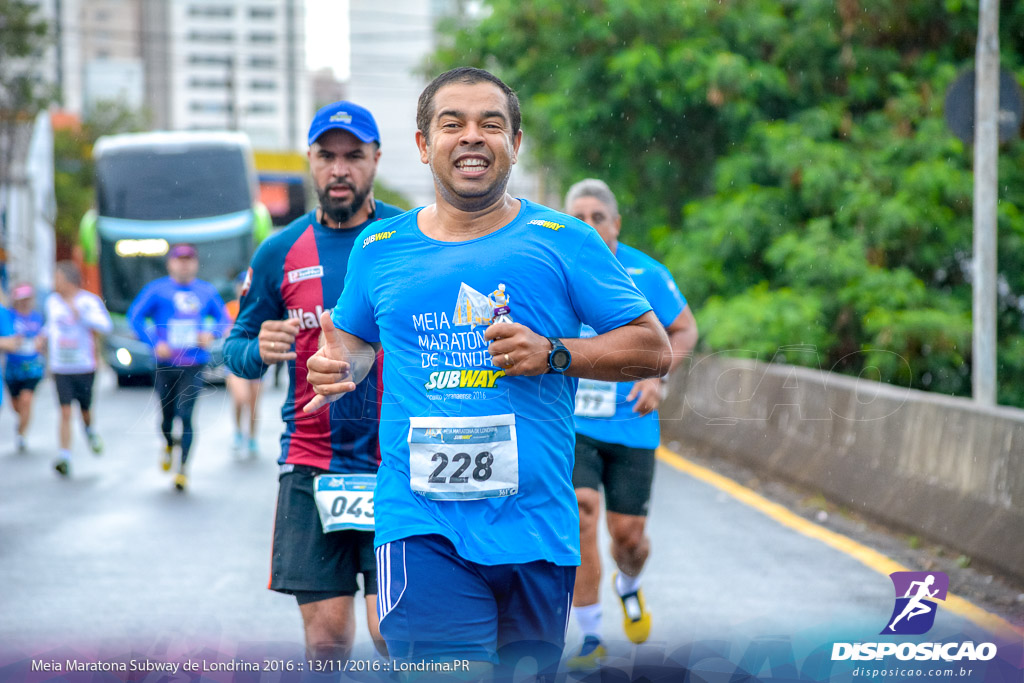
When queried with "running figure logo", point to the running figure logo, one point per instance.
{"points": [[916, 592], [502, 312]]}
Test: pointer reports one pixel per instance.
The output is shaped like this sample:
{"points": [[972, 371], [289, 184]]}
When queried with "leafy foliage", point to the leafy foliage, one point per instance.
{"points": [[390, 195], [73, 165], [789, 161], [73, 182], [23, 38]]}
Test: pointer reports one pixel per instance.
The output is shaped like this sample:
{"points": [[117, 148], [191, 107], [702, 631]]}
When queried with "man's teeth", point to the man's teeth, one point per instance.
{"points": [[471, 163]]}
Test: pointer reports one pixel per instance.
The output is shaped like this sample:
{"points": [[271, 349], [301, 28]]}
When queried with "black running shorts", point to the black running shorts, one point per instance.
{"points": [[625, 473], [304, 558], [16, 385], [75, 388]]}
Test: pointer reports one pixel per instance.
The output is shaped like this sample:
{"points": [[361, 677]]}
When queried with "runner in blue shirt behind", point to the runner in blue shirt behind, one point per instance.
{"points": [[25, 364], [179, 316], [616, 433], [477, 301]]}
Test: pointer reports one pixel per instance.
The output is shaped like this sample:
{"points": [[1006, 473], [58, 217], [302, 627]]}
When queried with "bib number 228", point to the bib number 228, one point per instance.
{"points": [[460, 463], [463, 458]]}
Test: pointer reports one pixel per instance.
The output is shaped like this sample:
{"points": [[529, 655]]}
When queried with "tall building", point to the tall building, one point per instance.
{"points": [[228, 64], [111, 53], [326, 87], [58, 63], [389, 43], [95, 53]]}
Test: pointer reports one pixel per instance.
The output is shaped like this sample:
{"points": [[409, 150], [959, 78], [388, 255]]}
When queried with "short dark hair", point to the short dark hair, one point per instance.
{"points": [[70, 271], [468, 75]]}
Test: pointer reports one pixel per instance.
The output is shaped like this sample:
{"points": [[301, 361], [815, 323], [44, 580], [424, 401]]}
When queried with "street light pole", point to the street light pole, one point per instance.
{"points": [[986, 186]]}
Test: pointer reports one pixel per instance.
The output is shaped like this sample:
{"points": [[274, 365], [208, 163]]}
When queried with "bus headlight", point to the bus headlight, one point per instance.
{"points": [[124, 356], [141, 247]]}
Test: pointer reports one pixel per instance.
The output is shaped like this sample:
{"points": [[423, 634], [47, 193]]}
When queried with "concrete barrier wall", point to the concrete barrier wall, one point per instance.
{"points": [[931, 465]]}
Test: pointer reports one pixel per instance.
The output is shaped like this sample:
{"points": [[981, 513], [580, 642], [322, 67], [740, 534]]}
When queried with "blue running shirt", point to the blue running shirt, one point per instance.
{"points": [[177, 313], [602, 411], [6, 330], [25, 362], [490, 456]]}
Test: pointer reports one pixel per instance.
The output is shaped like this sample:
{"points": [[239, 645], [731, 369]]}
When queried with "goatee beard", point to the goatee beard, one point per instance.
{"points": [[341, 213]]}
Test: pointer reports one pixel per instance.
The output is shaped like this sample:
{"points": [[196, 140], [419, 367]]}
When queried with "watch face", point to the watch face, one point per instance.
{"points": [[560, 359]]}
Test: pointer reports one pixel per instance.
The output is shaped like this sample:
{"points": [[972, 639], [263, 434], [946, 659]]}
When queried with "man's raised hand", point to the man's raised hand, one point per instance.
{"points": [[328, 370]]}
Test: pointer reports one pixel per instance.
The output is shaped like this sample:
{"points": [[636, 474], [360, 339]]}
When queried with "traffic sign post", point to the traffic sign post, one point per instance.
{"points": [[986, 177]]}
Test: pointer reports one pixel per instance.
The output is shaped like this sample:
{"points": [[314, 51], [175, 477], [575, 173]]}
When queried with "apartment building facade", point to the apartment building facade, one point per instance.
{"points": [[228, 64], [390, 43]]}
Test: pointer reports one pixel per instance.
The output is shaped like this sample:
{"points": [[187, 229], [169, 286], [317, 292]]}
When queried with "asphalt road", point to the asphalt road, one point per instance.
{"points": [[113, 559]]}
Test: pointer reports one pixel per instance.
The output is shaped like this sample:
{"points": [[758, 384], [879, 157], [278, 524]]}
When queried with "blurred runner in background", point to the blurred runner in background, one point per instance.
{"points": [[25, 363], [245, 393], [74, 317], [179, 316]]}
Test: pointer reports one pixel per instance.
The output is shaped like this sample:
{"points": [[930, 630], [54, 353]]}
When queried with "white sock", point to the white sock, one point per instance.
{"points": [[624, 584], [65, 454], [589, 619]]}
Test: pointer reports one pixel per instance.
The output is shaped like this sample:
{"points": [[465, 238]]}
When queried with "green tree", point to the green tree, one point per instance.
{"points": [[23, 39], [73, 166], [72, 182], [390, 195], [110, 117], [787, 158]]}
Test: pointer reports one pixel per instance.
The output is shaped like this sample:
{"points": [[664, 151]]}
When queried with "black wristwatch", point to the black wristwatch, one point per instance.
{"points": [[559, 358]]}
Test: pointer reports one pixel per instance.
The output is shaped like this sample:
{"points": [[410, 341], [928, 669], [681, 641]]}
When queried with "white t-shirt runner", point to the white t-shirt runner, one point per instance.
{"points": [[70, 330]]}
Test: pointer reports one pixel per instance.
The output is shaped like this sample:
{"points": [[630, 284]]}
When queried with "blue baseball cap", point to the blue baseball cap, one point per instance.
{"points": [[344, 115]]}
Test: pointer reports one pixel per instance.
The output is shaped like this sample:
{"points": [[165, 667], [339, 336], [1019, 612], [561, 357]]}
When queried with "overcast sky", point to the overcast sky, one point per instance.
{"points": [[327, 36]]}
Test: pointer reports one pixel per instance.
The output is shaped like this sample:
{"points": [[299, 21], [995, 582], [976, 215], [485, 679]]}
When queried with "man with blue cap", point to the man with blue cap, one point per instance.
{"points": [[323, 534]]}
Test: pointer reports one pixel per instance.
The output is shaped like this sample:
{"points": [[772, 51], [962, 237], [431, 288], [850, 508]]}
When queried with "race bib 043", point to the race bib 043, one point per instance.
{"points": [[464, 458], [345, 501]]}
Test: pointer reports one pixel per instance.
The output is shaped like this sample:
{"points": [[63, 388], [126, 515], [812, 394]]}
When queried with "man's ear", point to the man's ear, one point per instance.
{"points": [[423, 144], [515, 145]]}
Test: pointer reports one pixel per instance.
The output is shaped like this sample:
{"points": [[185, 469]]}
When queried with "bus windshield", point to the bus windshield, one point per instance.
{"points": [[172, 183]]}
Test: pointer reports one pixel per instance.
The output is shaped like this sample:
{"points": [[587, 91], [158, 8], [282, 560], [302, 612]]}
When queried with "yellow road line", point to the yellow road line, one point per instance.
{"points": [[869, 557]]}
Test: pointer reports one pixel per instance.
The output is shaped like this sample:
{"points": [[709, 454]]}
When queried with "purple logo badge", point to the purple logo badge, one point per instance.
{"points": [[916, 593]]}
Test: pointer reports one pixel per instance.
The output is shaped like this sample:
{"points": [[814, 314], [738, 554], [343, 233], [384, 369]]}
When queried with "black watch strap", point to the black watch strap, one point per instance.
{"points": [[559, 359]]}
